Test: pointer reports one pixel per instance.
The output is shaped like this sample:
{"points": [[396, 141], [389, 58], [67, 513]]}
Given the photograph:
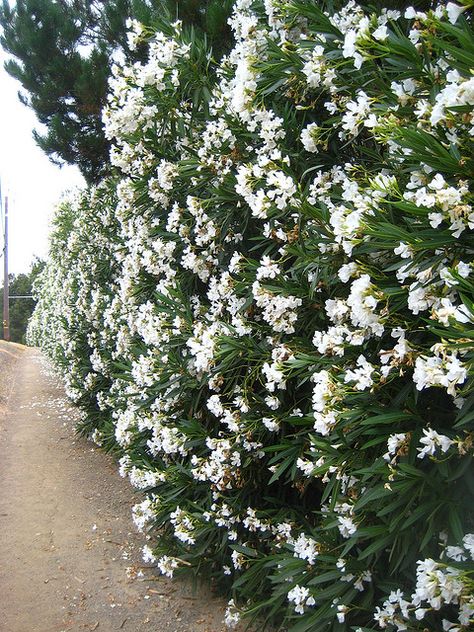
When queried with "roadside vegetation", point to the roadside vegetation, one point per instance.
{"points": [[266, 310], [21, 309]]}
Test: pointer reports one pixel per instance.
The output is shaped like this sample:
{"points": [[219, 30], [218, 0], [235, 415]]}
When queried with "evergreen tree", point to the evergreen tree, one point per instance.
{"points": [[62, 53], [65, 88], [209, 16], [21, 308]]}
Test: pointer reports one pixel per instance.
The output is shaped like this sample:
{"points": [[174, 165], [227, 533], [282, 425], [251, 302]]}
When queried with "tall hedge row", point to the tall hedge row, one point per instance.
{"points": [[268, 313]]}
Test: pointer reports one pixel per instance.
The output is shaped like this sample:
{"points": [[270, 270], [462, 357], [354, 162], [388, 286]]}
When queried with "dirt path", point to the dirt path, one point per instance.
{"points": [[10, 352], [66, 536]]}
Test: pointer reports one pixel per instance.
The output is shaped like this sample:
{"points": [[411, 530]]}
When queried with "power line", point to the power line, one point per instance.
{"points": [[6, 301], [1, 212], [2, 251]]}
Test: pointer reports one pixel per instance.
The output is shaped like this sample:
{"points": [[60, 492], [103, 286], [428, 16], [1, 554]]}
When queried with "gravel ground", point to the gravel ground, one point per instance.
{"points": [[10, 352], [70, 555]]}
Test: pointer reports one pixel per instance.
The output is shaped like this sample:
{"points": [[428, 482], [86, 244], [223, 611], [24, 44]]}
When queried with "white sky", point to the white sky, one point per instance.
{"points": [[34, 185]]}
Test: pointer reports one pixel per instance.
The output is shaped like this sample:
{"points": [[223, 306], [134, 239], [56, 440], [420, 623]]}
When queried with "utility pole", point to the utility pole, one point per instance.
{"points": [[6, 297]]}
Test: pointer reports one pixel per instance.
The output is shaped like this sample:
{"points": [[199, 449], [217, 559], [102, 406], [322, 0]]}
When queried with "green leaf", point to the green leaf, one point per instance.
{"points": [[376, 546], [372, 494]]}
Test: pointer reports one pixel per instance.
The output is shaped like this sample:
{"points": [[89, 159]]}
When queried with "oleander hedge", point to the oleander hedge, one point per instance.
{"points": [[268, 312]]}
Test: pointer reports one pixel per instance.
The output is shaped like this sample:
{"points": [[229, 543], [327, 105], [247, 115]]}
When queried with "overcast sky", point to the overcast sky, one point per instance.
{"points": [[33, 183]]}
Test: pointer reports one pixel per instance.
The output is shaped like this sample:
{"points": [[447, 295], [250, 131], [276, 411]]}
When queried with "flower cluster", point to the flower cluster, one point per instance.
{"points": [[267, 311]]}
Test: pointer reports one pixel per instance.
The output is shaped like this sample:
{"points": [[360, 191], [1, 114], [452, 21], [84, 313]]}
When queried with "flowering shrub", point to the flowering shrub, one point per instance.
{"points": [[268, 314]]}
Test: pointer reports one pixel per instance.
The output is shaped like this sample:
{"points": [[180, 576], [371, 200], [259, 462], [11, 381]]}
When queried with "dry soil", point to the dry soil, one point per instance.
{"points": [[68, 547]]}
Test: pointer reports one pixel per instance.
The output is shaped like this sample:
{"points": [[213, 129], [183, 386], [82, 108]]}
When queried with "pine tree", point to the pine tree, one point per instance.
{"points": [[21, 308], [65, 88], [209, 16], [62, 54]]}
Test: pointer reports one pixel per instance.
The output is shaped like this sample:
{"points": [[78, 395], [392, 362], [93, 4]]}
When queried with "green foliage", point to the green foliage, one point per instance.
{"points": [[21, 309], [65, 88], [208, 16], [268, 312], [61, 53]]}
